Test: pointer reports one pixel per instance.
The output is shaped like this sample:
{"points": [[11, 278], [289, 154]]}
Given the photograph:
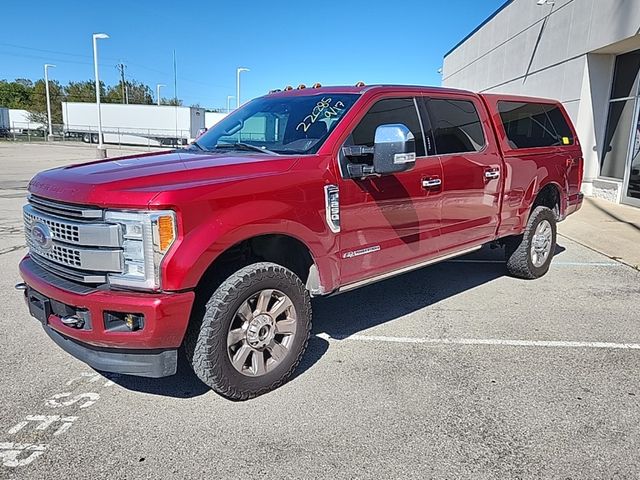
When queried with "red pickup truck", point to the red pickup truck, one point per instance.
{"points": [[219, 247]]}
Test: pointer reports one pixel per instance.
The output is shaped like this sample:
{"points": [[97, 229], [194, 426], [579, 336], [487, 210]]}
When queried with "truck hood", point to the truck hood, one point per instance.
{"points": [[135, 180]]}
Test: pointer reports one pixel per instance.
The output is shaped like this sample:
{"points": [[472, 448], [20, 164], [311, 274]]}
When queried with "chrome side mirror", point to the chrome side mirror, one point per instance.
{"points": [[394, 149]]}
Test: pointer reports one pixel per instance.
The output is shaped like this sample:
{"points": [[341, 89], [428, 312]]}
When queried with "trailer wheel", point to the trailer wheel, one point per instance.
{"points": [[86, 138], [94, 138], [253, 333]]}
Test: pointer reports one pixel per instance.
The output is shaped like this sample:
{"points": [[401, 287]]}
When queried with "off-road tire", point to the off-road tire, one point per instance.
{"points": [[206, 346], [518, 248]]}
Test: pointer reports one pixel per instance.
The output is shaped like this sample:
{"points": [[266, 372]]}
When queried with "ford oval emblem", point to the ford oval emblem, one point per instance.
{"points": [[41, 236]]}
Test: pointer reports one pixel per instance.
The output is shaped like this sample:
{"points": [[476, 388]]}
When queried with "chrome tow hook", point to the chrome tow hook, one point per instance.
{"points": [[21, 287], [72, 321]]}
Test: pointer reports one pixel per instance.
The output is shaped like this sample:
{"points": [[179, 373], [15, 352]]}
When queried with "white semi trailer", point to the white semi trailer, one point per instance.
{"points": [[153, 125]]}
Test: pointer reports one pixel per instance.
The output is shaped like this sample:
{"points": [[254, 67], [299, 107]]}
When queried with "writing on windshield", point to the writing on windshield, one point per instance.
{"points": [[322, 108]]}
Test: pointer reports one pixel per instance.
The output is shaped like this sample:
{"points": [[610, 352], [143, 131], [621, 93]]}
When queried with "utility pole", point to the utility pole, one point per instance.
{"points": [[158, 92], [102, 152], [175, 89], [175, 79], [46, 82], [239, 70], [125, 94]]}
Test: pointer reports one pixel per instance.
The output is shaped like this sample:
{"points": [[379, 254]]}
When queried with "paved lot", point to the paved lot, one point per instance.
{"points": [[452, 371]]}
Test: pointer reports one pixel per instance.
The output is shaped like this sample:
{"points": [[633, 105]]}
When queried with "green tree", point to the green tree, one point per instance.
{"points": [[84, 91], [171, 101], [136, 92], [38, 105], [15, 94], [25, 82]]}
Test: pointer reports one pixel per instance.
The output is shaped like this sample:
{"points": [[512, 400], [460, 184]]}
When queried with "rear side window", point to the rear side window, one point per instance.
{"points": [[531, 125], [456, 126], [390, 110]]}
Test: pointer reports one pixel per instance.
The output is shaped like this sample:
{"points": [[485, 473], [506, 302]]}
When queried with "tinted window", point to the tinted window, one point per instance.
{"points": [[456, 126], [530, 125], [391, 110], [625, 77]]}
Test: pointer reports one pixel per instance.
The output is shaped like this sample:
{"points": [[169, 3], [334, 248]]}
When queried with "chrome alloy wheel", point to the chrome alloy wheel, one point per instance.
{"points": [[261, 333], [541, 243]]}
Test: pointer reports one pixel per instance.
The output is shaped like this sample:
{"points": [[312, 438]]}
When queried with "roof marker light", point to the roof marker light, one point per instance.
{"points": [[360, 84], [316, 85], [302, 86], [287, 88]]}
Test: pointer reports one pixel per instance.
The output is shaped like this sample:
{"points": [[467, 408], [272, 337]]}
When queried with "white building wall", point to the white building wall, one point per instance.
{"points": [[565, 51]]}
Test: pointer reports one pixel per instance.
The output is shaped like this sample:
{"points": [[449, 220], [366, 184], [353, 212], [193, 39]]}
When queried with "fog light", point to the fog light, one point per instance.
{"points": [[123, 322], [134, 322]]}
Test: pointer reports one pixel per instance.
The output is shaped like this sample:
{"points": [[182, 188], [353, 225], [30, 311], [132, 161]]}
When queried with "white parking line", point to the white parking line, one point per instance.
{"points": [[482, 341]]}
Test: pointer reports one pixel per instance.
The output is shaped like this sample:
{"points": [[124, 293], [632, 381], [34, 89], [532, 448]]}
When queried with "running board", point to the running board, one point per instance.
{"points": [[400, 271]]}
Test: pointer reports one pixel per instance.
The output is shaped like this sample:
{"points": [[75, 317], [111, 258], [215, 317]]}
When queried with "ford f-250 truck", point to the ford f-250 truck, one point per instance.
{"points": [[218, 248]]}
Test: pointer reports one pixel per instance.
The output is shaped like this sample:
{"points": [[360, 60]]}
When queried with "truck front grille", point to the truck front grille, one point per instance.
{"points": [[72, 241]]}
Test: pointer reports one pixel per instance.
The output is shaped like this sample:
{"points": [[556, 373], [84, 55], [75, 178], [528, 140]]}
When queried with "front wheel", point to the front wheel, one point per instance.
{"points": [[254, 332], [529, 255]]}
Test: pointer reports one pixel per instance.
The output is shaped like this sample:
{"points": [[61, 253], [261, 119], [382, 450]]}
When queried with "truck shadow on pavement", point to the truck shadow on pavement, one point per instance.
{"points": [[353, 312], [368, 307]]}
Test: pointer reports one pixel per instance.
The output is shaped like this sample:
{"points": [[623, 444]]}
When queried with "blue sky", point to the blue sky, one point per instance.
{"points": [[282, 42]]}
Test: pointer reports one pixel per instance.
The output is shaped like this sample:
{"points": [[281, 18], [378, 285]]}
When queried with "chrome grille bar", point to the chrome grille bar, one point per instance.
{"points": [[101, 260], [68, 273], [65, 209]]}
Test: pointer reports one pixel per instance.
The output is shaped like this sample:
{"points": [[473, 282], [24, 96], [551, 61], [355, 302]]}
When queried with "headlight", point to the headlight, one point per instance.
{"points": [[146, 238]]}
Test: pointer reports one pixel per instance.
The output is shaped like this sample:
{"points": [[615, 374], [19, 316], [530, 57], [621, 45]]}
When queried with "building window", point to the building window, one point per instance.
{"points": [[531, 125], [456, 126]]}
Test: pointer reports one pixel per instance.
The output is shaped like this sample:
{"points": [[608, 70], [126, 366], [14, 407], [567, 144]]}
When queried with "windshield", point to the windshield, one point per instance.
{"points": [[284, 125]]}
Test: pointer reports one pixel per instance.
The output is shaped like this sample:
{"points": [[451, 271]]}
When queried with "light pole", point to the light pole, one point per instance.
{"points": [[158, 91], [229, 97], [46, 86], [96, 36], [238, 71]]}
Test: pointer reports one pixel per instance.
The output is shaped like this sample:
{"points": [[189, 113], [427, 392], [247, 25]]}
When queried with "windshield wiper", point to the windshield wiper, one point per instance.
{"points": [[243, 146]]}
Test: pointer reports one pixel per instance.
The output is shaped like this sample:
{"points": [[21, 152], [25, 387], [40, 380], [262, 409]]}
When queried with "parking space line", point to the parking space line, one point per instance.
{"points": [[483, 341]]}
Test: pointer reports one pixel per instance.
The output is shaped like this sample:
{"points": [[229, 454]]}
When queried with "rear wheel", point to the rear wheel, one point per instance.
{"points": [[254, 332], [529, 255]]}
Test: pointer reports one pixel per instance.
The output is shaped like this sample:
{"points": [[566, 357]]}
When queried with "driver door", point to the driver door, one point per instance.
{"points": [[390, 221]]}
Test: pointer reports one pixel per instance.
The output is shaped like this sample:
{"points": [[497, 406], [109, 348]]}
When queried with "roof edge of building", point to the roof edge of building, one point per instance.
{"points": [[475, 30]]}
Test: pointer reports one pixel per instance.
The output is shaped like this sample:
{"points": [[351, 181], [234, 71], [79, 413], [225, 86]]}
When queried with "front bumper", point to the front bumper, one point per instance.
{"points": [[150, 351], [142, 363]]}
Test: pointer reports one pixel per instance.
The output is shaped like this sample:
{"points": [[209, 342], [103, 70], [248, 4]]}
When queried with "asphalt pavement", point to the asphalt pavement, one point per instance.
{"points": [[451, 371]]}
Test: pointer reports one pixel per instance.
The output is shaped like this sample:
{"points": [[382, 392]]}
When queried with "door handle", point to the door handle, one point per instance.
{"points": [[431, 182], [492, 174]]}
